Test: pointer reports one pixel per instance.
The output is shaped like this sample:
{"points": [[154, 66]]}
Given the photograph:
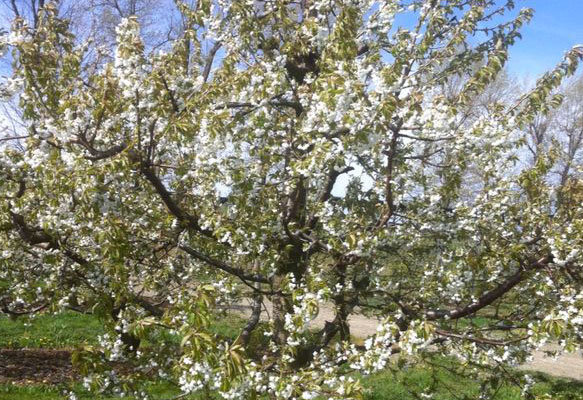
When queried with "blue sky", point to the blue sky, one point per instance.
{"points": [[556, 27]]}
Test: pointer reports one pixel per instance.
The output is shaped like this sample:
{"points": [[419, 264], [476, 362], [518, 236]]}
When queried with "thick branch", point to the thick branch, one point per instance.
{"points": [[190, 221], [32, 236], [14, 8], [151, 308], [296, 106], [97, 155], [426, 139], [253, 319], [491, 296], [239, 273], [209, 61], [391, 154], [331, 181], [35, 236], [4, 308]]}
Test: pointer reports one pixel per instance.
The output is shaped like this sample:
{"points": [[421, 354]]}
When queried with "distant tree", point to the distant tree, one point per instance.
{"points": [[157, 187], [569, 136], [94, 24]]}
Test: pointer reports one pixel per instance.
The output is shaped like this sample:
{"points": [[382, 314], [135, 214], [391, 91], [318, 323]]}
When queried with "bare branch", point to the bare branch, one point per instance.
{"points": [[479, 340], [209, 62], [5, 139]]}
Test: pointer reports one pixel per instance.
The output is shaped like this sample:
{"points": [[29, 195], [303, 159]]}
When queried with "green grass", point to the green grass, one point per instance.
{"points": [[72, 329], [68, 329], [37, 392], [382, 386], [400, 386], [40, 392], [228, 326]]}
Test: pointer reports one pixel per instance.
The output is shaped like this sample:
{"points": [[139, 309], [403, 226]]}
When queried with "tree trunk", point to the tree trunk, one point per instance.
{"points": [[280, 308]]}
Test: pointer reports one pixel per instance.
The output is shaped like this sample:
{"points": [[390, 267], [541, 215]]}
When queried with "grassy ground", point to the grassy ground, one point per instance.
{"points": [[386, 386], [39, 392], [71, 329], [68, 329], [379, 387]]}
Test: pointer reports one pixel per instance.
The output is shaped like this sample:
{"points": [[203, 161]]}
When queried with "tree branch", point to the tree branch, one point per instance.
{"points": [[97, 155], [492, 342], [239, 273], [491, 296], [253, 319], [191, 221], [209, 62]]}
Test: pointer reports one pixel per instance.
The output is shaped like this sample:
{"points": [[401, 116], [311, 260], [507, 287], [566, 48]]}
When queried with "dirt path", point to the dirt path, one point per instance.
{"points": [[568, 365], [26, 366]]}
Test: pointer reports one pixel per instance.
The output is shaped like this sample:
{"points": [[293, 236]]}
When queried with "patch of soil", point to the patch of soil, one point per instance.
{"points": [[25, 366]]}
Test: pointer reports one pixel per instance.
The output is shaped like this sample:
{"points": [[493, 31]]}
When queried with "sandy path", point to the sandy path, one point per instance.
{"points": [[567, 365]]}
